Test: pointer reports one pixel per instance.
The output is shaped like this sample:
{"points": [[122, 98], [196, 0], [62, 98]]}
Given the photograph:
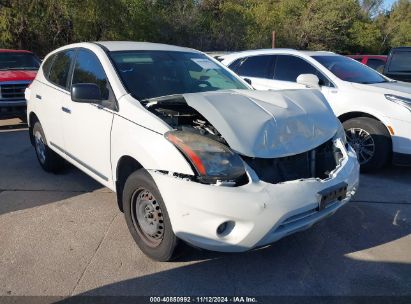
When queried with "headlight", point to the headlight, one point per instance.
{"points": [[405, 102], [212, 160], [341, 134]]}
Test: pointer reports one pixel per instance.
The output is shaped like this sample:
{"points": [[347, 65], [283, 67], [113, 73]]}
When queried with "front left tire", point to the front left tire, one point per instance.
{"points": [[147, 217]]}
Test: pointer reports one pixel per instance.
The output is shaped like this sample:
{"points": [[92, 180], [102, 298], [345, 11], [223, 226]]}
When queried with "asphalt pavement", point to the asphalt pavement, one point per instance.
{"points": [[63, 235]]}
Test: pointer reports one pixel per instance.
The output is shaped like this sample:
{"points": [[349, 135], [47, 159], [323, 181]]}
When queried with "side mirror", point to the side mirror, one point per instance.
{"points": [[309, 80], [248, 80], [86, 93]]}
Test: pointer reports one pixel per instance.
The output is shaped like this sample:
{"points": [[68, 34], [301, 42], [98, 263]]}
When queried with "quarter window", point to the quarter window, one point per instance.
{"points": [[60, 68], [256, 66], [88, 69], [47, 65]]}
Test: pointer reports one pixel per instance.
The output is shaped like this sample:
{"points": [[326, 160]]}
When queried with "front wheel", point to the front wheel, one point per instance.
{"points": [[147, 218], [49, 160], [370, 140]]}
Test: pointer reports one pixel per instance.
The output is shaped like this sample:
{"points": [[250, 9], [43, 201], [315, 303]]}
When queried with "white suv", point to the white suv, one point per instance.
{"points": [[375, 110], [192, 152]]}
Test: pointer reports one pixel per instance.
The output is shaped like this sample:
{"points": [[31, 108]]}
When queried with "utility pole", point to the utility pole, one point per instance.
{"points": [[273, 40]]}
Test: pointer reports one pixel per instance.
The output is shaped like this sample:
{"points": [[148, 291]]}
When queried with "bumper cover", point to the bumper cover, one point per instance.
{"points": [[262, 212]]}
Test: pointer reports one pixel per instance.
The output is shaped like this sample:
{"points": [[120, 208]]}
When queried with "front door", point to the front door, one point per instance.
{"points": [[87, 126]]}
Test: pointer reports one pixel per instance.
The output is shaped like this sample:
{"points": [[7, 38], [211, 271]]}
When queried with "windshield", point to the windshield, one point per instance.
{"points": [[18, 61], [149, 74], [400, 62], [350, 70]]}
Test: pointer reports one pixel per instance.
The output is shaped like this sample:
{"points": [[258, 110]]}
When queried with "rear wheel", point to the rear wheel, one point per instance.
{"points": [[49, 160], [147, 218], [370, 140]]}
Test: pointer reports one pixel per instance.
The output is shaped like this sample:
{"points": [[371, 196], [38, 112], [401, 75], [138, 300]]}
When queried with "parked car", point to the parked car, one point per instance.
{"points": [[375, 110], [164, 127], [376, 62], [399, 64], [17, 70]]}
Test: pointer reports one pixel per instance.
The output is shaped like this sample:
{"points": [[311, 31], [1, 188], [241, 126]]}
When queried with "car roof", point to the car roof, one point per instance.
{"points": [[399, 48], [14, 51], [277, 51], [114, 46], [368, 56]]}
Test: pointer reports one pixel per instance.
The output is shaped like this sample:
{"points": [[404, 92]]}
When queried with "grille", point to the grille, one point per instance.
{"points": [[318, 163], [13, 91]]}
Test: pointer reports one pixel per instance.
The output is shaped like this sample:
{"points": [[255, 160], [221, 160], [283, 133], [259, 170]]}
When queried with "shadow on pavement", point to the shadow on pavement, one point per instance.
{"points": [[23, 184]]}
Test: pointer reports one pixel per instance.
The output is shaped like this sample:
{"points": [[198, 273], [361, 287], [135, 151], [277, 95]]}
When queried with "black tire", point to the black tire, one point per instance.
{"points": [[380, 139], [136, 187], [49, 160]]}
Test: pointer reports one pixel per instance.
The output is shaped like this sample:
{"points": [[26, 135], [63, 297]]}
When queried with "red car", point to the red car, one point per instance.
{"points": [[17, 70], [375, 62]]}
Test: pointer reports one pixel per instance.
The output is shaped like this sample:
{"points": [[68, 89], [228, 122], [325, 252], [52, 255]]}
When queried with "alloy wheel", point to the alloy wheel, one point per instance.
{"points": [[362, 143], [40, 147]]}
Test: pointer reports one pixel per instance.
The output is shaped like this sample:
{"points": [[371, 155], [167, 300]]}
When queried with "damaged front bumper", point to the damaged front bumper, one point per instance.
{"points": [[252, 215]]}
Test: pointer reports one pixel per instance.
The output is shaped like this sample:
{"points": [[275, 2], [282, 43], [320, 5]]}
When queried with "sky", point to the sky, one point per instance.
{"points": [[388, 3]]}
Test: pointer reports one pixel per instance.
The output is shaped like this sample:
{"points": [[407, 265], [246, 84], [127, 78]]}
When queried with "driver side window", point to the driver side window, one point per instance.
{"points": [[88, 69]]}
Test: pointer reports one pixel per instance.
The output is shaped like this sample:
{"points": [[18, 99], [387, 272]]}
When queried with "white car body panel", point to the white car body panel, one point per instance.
{"points": [[95, 139], [346, 97]]}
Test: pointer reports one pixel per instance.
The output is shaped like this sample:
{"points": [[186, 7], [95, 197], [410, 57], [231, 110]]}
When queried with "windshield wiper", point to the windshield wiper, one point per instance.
{"points": [[367, 82]]}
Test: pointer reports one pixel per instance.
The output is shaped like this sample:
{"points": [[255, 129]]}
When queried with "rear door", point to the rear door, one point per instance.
{"points": [[51, 95], [87, 126]]}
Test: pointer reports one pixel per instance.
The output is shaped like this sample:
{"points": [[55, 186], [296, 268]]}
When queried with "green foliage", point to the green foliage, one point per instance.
{"points": [[346, 26]]}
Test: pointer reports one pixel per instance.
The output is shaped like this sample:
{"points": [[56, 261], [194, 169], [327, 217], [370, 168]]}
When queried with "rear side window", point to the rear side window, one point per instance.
{"points": [[60, 68], [256, 66], [88, 69], [288, 68], [47, 65]]}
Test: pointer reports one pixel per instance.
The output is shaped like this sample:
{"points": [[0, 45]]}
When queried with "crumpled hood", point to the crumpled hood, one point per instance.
{"points": [[386, 87], [17, 75], [268, 124]]}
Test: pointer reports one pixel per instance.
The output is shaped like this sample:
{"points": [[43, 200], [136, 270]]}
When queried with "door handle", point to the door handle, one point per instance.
{"points": [[38, 96], [67, 110]]}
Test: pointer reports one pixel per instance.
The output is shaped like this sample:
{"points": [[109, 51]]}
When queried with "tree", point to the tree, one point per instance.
{"points": [[398, 25]]}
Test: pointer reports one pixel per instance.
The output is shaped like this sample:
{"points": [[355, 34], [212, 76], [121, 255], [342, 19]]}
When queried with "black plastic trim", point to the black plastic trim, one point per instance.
{"points": [[401, 159]]}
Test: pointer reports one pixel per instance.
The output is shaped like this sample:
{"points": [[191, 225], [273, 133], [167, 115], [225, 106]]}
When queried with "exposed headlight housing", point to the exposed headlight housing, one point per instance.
{"points": [[212, 160], [403, 101], [341, 134]]}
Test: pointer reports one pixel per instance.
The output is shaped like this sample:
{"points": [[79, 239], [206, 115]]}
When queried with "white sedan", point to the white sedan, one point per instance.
{"points": [[375, 110], [192, 152]]}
